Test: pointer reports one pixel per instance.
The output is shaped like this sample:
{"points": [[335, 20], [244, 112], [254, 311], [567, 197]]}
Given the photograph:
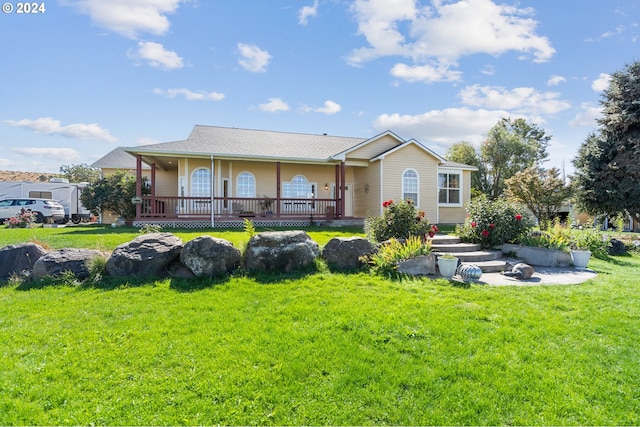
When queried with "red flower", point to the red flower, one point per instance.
{"points": [[473, 223], [492, 226], [387, 203], [518, 217], [485, 233], [431, 234]]}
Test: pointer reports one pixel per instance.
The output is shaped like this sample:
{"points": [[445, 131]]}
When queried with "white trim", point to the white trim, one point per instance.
{"points": [[255, 183], [407, 143], [418, 189], [451, 171], [213, 189], [381, 186], [191, 180]]}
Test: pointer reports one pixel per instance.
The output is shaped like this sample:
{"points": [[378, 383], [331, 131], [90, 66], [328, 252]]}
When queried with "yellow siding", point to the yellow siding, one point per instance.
{"points": [[425, 165], [457, 215], [375, 148], [166, 183], [366, 204]]}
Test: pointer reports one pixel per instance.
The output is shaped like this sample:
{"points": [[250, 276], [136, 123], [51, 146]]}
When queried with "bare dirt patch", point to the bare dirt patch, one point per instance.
{"points": [[18, 176]]}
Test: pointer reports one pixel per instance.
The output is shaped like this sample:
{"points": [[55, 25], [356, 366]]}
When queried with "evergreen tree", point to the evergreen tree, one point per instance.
{"points": [[607, 178]]}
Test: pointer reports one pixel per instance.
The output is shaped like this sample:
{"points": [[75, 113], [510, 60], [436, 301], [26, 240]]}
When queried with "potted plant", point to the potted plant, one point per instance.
{"points": [[583, 242], [265, 206], [447, 264]]}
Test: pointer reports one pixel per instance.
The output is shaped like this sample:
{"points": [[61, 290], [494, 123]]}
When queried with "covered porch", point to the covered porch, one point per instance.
{"points": [[219, 209]]}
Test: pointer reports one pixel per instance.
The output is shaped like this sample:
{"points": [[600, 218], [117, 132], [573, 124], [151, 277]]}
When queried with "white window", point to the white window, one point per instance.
{"points": [[449, 187], [410, 186], [298, 188], [201, 183], [246, 185]]}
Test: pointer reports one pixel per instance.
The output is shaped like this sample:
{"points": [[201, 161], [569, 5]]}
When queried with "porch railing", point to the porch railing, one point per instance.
{"points": [[154, 207]]}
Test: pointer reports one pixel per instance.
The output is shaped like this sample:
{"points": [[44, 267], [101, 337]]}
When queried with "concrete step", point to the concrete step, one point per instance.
{"points": [[444, 239], [455, 247], [475, 256]]}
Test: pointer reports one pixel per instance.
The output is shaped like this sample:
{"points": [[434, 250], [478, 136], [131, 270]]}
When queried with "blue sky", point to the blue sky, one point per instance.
{"points": [[86, 76]]}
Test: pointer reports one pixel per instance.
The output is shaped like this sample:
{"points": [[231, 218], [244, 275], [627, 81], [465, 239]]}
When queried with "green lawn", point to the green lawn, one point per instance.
{"points": [[318, 349]]}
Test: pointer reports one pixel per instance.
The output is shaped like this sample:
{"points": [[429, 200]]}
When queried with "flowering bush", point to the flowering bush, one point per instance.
{"points": [[22, 220], [399, 221], [493, 222]]}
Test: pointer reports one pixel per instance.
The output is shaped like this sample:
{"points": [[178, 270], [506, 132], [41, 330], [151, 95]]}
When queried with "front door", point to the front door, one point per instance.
{"points": [[348, 200]]}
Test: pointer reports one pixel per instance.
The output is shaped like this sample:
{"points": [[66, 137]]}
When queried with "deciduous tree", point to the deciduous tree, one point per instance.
{"points": [[113, 193], [80, 173], [510, 147], [542, 191]]}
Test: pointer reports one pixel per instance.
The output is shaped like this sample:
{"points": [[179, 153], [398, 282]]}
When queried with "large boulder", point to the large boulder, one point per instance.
{"points": [[77, 261], [16, 259], [345, 253], [208, 256], [280, 251], [147, 255], [616, 247]]}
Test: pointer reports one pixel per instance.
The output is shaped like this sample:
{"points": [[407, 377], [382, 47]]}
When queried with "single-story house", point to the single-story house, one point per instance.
{"points": [[220, 175]]}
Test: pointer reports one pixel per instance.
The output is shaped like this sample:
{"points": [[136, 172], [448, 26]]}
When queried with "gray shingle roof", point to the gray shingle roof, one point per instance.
{"points": [[233, 142], [117, 159]]}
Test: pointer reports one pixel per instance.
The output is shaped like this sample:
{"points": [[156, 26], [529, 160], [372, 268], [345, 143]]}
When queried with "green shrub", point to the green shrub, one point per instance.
{"points": [[493, 222], [385, 261], [399, 221], [590, 239], [150, 228]]}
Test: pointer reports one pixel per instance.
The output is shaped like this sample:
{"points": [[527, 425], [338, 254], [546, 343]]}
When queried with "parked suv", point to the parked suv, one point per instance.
{"points": [[46, 210]]}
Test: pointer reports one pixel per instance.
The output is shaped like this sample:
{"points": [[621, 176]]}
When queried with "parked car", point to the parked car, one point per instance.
{"points": [[45, 210]]}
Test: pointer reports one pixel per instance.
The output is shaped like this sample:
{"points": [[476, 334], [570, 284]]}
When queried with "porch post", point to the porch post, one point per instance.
{"points": [[138, 184], [278, 189], [153, 189], [343, 189], [212, 194], [336, 196]]}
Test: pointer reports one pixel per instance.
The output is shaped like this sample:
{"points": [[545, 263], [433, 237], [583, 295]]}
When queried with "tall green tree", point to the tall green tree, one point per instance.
{"points": [[113, 193], [80, 173], [511, 146], [464, 152], [607, 167], [541, 190]]}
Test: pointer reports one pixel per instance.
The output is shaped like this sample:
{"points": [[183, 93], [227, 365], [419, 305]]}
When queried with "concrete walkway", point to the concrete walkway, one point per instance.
{"points": [[542, 276]]}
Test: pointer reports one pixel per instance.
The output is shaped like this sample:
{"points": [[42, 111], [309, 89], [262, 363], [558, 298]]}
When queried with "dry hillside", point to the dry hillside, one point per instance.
{"points": [[18, 176]]}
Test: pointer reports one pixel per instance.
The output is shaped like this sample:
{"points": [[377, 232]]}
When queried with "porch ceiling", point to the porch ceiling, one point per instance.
{"points": [[164, 163]]}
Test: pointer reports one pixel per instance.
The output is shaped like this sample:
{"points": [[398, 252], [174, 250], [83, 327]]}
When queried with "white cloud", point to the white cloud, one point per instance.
{"points": [[587, 116], [274, 105], [425, 73], [50, 126], [329, 108], [521, 100], [157, 56], [62, 154], [307, 12], [189, 95], [601, 83], [128, 17], [444, 32], [442, 126], [555, 80], [252, 58]]}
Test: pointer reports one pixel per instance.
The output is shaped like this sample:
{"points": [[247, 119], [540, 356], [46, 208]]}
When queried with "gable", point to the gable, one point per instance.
{"points": [[374, 147]]}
